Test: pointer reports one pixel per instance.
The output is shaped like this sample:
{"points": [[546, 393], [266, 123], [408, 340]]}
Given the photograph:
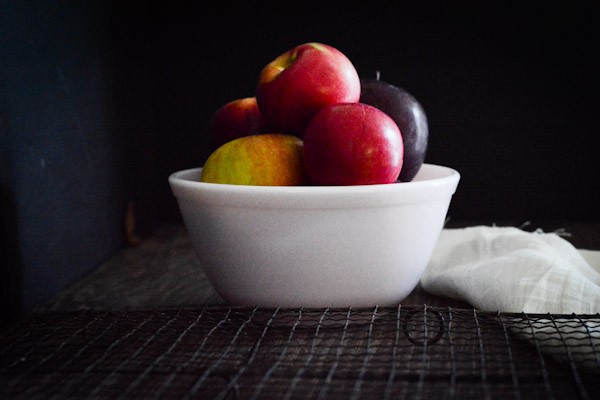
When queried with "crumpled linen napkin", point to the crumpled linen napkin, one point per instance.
{"points": [[507, 269]]}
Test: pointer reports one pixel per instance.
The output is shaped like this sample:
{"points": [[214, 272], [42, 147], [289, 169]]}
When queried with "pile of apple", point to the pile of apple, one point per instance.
{"points": [[313, 121]]}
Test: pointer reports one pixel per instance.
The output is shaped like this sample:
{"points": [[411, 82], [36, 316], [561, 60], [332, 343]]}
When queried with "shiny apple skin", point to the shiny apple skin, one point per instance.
{"points": [[408, 114], [237, 118], [296, 84], [352, 144], [259, 160]]}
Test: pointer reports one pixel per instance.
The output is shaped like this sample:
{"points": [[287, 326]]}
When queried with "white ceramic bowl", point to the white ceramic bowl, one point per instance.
{"points": [[315, 246]]}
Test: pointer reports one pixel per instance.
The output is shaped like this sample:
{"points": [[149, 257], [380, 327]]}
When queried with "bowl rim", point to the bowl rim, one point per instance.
{"points": [[186, 187]]}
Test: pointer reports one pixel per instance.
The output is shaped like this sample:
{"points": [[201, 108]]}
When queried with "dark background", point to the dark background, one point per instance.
{"points": [[101, 101]]}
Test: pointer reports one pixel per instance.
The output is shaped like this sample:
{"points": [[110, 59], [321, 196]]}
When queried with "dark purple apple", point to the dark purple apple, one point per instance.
{"points": [[352, 144], [408, 114]]}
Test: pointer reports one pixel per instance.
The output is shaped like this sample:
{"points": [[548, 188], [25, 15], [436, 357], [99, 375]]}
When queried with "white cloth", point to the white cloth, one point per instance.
{"points": [[507, 269]]}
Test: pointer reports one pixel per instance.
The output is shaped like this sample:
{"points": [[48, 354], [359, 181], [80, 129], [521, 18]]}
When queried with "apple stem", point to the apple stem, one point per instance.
{"points": [[377, 75]]}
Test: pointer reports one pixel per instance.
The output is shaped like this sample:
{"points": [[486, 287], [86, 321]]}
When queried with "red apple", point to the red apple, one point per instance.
{"points": [[299, 82], [408, 114], [352, 144], [238, 118]]}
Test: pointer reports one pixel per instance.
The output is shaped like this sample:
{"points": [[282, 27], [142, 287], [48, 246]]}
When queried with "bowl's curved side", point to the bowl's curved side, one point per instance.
{"points": [[357, 257]]}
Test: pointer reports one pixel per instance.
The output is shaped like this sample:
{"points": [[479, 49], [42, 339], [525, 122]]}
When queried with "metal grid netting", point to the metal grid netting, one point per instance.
{"points": [[247, 353]]}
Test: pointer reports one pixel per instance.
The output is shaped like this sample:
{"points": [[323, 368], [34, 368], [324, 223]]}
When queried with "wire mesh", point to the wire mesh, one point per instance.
{"points": [[251, 353]]}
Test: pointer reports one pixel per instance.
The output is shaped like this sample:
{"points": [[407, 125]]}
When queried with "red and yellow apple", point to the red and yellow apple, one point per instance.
{"points": [[352, 144], [299, 82], [408, 114], [262, 160], [235, 119]]}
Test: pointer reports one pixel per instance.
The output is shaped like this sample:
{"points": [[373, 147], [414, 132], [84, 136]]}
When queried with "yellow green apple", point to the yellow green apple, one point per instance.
{"points": [[270, 159]]}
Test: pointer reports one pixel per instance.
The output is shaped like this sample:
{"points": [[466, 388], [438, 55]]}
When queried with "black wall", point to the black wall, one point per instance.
{"points": [[78, 143], [101, 101]]}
